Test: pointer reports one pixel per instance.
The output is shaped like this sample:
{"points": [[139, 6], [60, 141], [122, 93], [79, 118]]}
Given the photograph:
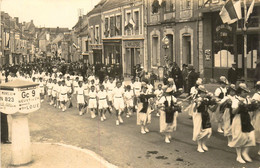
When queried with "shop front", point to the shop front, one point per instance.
{"points": [[112, 53], [224, 45]]}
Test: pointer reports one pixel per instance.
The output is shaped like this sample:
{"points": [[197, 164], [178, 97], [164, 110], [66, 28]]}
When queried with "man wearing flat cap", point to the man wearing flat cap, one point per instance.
{"points": [[233, 74]]}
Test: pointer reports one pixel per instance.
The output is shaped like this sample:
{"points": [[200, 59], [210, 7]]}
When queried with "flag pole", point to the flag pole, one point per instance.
{"points": [[245, 42]]}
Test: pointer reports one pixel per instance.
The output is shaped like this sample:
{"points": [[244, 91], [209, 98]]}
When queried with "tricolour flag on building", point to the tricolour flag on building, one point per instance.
{"points": [[132, 22], [250, 10], [231, 12]]}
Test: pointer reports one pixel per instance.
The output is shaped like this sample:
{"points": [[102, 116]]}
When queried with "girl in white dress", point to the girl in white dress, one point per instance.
{"points": [[159, 93], [144, 110], [243, 135], [201, 119], [221, 93], [169, 110], [54, 92], [256, 117], [228, 115]]}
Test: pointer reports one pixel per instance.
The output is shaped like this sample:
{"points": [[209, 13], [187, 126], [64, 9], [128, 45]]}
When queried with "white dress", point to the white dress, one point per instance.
{"points": [[80, 95], [129, 95], [92, 99], [239, 138], [167, 127], [118, 98], [102, 99], [256, 119]]}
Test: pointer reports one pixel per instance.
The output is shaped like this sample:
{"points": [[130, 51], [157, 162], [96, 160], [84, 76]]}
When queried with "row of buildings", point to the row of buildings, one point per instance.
{"points": [[23, 42], [151, 32]]}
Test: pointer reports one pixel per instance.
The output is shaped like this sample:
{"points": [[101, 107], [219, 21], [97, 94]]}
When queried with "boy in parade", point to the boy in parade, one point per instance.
{"points": [[68, 83], [102, 102], [54, 93], [118, 102], [80, 97], [110, 88], [63, 95], [129, 96], [49, 90], [92, 101]]}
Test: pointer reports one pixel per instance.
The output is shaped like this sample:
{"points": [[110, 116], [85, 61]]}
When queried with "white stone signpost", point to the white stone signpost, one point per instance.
{"points": [[19, 98]]}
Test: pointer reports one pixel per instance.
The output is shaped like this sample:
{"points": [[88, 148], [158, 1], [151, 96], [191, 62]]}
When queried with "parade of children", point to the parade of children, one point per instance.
{"points": [[234, 109]]}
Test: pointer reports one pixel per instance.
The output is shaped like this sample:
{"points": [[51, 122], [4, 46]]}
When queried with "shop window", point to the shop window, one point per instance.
{"points": [[155, 49], [136, 20], [224, 59]]}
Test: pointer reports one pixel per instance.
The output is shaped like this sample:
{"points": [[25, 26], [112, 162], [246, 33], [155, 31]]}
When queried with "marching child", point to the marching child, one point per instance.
{"points": [[201, 120], [92, 101], [41, 85], [58, 93], [110, 88], [63, 95], [129, 96], [256, 98], [54, 92], [221, 93], [118, 102], [158, 93], [68, 83], [169, 110], [243, 135], [49, 91], [144, 110], [102, 102], [228, 115], [80, 97]]}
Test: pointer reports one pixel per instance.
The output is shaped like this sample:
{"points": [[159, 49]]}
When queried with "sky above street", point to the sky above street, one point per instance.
{"points": [[48, 13]]}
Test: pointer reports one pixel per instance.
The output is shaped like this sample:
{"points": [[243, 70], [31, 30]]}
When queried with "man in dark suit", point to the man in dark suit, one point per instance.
{"points": [[4, 129], [192, 77], [233, 74]]}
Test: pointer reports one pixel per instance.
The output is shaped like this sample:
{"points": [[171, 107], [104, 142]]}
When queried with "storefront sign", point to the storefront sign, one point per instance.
{"points": [[133, 44], [96, 46]]}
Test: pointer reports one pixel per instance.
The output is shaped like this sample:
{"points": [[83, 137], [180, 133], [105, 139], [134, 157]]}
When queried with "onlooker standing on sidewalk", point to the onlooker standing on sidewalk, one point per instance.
{"points": [[233, 74], [177, 75], [185, 77], [192, 77]]}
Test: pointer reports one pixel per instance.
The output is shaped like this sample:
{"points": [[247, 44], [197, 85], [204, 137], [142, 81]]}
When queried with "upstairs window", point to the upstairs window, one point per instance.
{"points": [[168, 5], [118, 25], [186, 4], [136, 20]]}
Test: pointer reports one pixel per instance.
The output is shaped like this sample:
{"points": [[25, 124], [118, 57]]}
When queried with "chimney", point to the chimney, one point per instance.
{"points": [[16, 20]]}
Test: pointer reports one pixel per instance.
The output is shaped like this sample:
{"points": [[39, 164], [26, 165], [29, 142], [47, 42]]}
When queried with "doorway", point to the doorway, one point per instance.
{"points": [[186, 49]]}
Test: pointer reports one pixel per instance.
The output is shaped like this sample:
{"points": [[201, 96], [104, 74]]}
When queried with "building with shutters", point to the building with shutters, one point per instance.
{"points": [[180, 23]]}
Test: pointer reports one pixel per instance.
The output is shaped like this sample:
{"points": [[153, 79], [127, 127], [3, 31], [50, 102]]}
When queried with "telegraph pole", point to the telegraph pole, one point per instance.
{"points": [[245, 41]]}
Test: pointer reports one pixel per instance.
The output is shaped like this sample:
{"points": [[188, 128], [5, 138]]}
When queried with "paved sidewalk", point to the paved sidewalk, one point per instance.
{"points": [[48, 155]]}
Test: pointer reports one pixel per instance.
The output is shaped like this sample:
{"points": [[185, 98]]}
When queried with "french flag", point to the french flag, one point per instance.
{"points": [[231, 12]]}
